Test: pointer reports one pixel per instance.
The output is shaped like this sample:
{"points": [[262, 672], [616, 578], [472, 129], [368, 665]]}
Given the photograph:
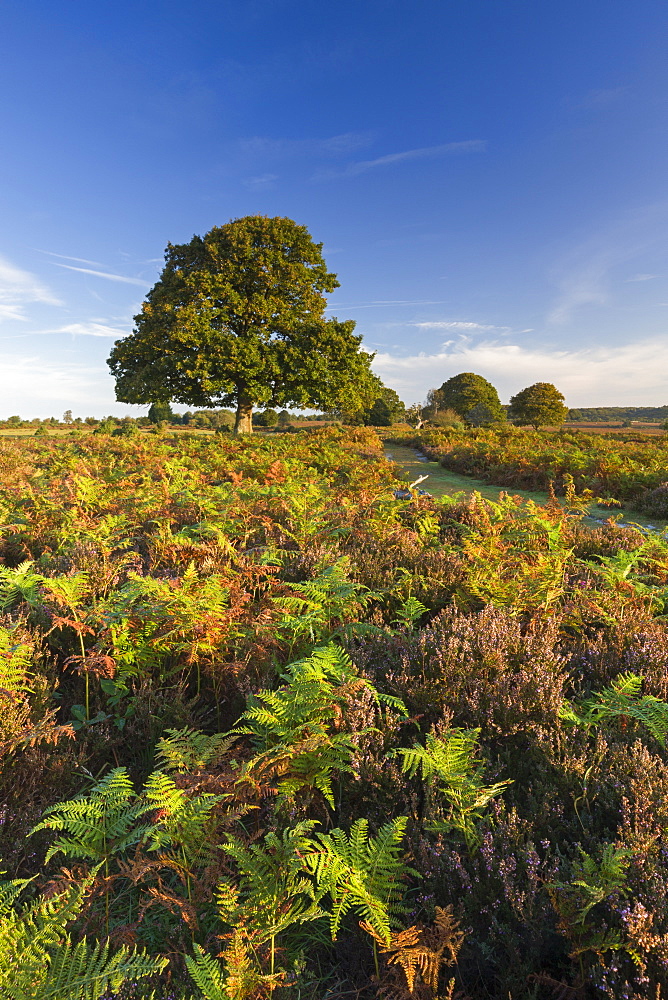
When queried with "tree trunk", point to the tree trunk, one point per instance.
{"points": [[244, 419]]}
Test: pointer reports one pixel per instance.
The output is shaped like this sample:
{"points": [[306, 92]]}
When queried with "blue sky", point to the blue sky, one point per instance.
{"points": [[488, 179]]}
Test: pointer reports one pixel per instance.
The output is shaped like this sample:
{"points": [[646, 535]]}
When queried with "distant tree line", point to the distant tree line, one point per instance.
{"points": [[609, 414]]}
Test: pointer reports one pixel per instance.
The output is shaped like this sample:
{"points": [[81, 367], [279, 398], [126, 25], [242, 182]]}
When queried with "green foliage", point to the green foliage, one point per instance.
{"points": [[293, 728], [467, 393], [387, 409], [448, 766], [185, 750], [267, 418], [539, 405], [272, 893], [14, 663], [199, 574], [361, 873], [239, 979], [160, 413], [20, 584], [98, 825], [592, 882], [321, 605], [39, 960], [181, 821], [622, 700], [241, 311]]}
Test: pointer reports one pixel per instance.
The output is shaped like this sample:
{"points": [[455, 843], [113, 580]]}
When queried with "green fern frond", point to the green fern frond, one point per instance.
{"points": [[294, 729], [621, 700], [182, 821], [14, 663], [20, 584], [361, 873], [449, 767], [70, 591], [99, 824], [84, 972], [593, 881], [272, 892], [187, 749], [38, 960], [241, 979], [207, 975]]}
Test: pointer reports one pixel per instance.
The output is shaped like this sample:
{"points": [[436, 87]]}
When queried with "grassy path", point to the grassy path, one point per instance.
{"points": [[442, 482]]}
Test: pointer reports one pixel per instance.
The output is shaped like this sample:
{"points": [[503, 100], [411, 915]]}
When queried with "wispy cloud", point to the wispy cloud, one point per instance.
{"points": [[18, 289], [641, 277], [627, 374], [64, 256], [423, 153], [584, 276], [54, 387], [89, 329], [384, 303], [465, 326], [279, 149], [261, 183], [105, 274], [595, 100]]}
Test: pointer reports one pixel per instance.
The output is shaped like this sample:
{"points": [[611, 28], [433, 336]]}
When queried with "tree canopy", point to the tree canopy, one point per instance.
{"points": [[540, 405], [237, 318], [159, 412], [472, 397]]}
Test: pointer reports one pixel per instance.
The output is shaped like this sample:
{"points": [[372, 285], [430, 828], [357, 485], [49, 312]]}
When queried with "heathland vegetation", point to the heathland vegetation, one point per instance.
{"points": [[274, 723], [268, 727], [630, 469]]}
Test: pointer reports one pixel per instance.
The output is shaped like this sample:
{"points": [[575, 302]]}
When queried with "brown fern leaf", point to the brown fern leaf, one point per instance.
{"points": [[422, 949], [174, 904], [124, 935], [140, 866], [44, 731], [244, 981], [64, 880]]}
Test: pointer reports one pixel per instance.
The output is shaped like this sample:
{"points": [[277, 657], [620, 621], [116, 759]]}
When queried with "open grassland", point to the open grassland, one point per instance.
{"points": [[278, 732]]}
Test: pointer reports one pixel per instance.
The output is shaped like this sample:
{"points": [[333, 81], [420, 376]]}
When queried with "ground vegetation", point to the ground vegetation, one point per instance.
{"points": [[273, 727]]}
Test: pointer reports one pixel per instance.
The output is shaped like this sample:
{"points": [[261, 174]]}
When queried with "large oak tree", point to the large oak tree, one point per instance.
{"points": [[238, 318]]}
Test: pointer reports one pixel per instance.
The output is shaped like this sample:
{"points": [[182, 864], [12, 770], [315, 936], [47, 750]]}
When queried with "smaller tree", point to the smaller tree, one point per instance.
{"points": [[67, 417], [265, 418], [466, 392], [540, 405], [433, 406], [387, 409], [159, 413]]}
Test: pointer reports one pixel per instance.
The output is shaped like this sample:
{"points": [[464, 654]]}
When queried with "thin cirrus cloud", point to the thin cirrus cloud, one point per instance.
{"points": [[19, 289], [422, 153], [383, 303], [457, 324], [591, 376], [89, 329], [586, 275], [281, 149], [65, 256], [263, 182], [105, 274]]}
